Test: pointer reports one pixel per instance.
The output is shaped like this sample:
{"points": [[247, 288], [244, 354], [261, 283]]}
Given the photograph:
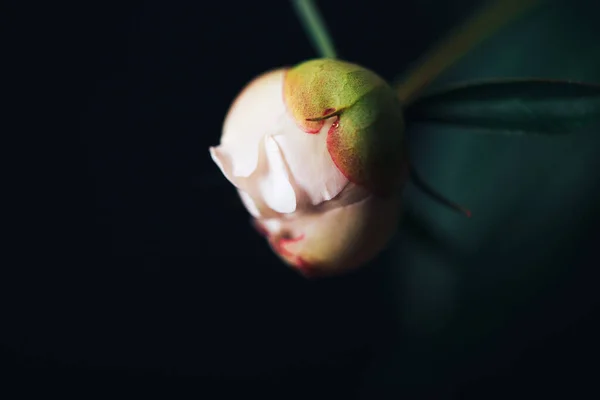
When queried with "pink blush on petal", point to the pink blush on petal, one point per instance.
{"points": [[305, 268], [280, 245], [260, 228]]}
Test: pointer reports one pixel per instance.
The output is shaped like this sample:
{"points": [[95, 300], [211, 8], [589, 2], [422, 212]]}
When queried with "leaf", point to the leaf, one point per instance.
{"points": [[512, 106], [427, 189], [461, 40]]}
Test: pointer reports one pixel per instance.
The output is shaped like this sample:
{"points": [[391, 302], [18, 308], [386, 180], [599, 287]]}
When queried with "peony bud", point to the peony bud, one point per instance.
{"points": [[316, 153]]}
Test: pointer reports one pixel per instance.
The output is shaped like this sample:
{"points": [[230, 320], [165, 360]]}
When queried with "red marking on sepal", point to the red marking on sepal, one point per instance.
{"points": [[313, 132], [331, 144]]}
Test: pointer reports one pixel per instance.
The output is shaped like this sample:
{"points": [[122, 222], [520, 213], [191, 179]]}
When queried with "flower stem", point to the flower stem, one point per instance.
{"points": [[314, 25]]}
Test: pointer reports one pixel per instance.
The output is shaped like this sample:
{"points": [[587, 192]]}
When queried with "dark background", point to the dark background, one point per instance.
{"points": [[133, 256]]}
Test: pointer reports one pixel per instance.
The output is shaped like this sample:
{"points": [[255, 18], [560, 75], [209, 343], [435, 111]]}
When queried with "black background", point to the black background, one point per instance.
{"points": [[135, 258]]}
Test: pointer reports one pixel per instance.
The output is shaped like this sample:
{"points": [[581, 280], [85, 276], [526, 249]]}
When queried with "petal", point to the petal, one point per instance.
{"points": [[222, 157], [254, 111], [309, 161], [343, 238], [275, 186], [272, 225], [249, 204]]}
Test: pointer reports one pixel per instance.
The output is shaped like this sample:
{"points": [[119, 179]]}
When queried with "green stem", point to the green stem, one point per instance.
{"points": [[315, 27]]}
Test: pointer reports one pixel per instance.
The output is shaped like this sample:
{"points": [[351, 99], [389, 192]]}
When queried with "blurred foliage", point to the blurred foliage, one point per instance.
{"points": [[489, 287], [506, 106]]}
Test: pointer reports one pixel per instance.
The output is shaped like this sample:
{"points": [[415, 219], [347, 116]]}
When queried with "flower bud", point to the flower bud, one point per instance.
{"points": [[316, 153]]}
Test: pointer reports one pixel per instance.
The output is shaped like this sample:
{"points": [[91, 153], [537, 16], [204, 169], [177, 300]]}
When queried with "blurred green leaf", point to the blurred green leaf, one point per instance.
{"points": [[512, 106]]}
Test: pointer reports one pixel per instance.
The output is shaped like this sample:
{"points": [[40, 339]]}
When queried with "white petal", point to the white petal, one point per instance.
{"points": [[309, 161], [249, 204], [223, 159], [275, 186], [342, 238], [254, 111], [272, 225]]}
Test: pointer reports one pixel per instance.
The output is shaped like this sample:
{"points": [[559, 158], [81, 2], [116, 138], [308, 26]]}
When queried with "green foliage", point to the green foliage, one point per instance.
{"points": [[512, 106]]}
